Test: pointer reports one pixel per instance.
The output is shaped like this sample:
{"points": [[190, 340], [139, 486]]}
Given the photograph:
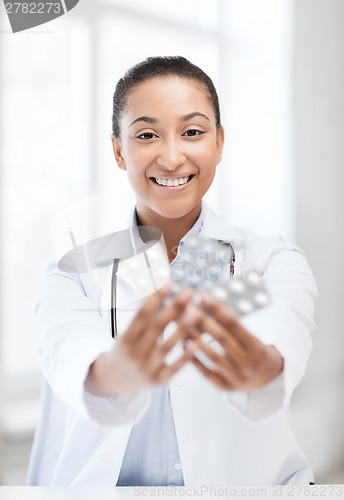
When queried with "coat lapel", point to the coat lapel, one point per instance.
{"points": [[214, 228]]}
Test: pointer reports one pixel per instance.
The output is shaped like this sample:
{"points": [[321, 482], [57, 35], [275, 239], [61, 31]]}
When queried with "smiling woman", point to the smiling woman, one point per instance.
{"points": [[167, 135], [171, 146], [147, 408]]}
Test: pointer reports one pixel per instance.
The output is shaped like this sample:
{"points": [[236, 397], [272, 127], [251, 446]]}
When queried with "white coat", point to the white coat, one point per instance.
{"points": [[224, 438]]}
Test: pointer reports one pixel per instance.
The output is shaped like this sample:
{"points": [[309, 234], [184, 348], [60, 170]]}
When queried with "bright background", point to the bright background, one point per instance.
{"points": [[279, 68]]}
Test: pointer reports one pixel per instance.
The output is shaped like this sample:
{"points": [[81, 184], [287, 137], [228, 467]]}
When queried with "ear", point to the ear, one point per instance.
{"points": [[220, 140], [117, 149]]}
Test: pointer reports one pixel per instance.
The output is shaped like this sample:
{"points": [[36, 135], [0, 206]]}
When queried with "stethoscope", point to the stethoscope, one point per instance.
{"points": [[114, 286]]}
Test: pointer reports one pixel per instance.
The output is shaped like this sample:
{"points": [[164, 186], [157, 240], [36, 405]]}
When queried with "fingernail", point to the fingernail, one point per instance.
{"points": [[190, 316], [165, 289], [206, 300], [184, 296], [189, 346]]}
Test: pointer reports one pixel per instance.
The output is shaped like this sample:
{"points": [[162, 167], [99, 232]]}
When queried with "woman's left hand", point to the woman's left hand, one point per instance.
{"points": [[245, 364]]}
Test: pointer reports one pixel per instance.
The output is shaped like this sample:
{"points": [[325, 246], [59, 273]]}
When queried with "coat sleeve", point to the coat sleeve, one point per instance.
{"points": [[72, 334], [286, 324]]}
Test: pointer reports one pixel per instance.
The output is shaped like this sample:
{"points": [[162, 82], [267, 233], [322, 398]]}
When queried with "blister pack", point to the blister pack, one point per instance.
{"points": [[205, 266]]}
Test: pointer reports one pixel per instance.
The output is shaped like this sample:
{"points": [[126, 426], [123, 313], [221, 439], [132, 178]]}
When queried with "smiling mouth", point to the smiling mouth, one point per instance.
{"points": [[172, 182]]}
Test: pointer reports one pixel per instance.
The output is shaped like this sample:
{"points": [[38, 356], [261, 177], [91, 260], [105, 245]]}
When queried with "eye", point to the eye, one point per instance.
{"points": [[192, 132], [146, 136]]}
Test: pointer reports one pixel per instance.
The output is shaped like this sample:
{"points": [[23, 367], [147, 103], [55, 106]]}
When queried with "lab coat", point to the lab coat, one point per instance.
{"points": [[224, 437]]}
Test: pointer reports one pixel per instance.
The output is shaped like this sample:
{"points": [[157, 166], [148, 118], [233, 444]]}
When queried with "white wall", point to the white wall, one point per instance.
{"points": [[318, 116]]}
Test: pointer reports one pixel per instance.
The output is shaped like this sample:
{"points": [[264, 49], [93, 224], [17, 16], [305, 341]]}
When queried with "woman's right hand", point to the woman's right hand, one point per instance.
{"points": [[137, 359]]}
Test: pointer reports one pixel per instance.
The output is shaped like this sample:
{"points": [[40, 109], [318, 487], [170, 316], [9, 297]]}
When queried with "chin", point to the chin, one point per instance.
{"points": [[171, 214], [175, 212]]}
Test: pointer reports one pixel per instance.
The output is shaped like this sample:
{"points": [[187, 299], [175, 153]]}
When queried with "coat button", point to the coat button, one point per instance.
{"points": [[178, 466], [192, 448]]}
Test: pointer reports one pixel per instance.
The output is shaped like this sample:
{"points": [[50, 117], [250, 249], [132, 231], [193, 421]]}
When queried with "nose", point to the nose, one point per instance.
{"points": [[171, 155]]}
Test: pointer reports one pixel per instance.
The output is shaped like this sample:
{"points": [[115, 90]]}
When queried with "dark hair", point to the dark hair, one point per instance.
{"points": [[160, 66]]}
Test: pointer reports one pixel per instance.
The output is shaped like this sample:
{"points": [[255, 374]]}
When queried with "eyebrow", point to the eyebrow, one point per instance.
{"points": [[145, 119], [185, 118], [193, 115]]}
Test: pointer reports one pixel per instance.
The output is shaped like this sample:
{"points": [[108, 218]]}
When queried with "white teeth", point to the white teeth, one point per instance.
{"points": [[172, 182]]}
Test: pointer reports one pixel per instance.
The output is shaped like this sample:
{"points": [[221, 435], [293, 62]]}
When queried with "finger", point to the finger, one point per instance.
{"points": [[167, 371], [236, 363], [240, 362], [143, 316], [244, 374], [205, 323], [165, 348], [146, 341], [214, 377], [189, 331], [150, 309], [230, 322], [158, 353], [229, 369]]}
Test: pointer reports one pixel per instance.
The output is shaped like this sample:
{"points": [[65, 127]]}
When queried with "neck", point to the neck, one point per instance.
{"points": [[172, 229]]}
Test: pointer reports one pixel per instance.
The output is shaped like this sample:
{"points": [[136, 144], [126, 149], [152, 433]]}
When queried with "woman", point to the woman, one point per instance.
{"points": [[128, 417]]}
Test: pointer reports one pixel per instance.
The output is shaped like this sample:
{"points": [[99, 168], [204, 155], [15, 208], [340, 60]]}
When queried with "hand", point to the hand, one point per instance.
{"points": [[246, 363], [137, 359]]}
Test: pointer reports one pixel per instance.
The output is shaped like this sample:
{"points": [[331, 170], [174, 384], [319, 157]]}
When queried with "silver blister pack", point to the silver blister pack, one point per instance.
{"points": [[205, 266]]}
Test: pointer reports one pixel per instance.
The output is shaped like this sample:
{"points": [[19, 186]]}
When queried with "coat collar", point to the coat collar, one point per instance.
{"points": [[216, 229]]}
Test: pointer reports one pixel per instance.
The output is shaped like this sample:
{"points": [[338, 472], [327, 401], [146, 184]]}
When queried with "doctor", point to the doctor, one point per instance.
{"points": [[117, 413]]}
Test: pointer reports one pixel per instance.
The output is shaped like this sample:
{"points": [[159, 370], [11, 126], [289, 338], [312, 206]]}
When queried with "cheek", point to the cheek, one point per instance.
{"points": [[136, 162], [206, 156], [141, 157]]}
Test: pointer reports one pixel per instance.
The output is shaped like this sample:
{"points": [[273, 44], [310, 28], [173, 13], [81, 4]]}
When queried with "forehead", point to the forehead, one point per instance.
{"points": [[172, 94]]}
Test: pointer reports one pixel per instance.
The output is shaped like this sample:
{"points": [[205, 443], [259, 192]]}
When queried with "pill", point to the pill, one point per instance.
{"points": [[220, 293], [207, 285], [244, 306], [237, 286], [253, 278], [261, 298]]}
